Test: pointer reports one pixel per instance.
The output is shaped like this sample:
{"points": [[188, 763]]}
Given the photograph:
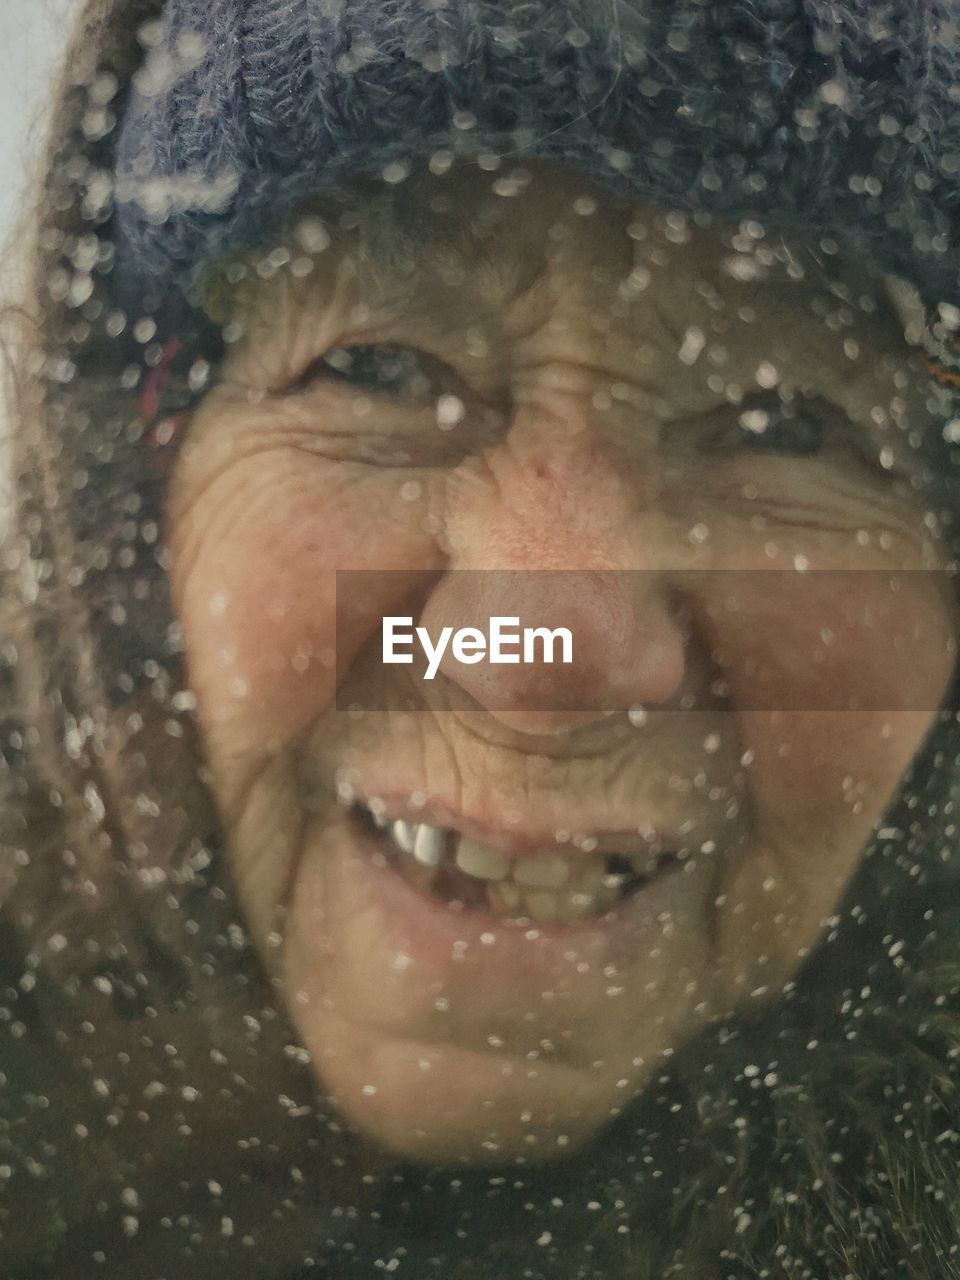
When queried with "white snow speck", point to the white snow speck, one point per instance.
{"points": [[755, 420], [694, 340], [450, 411]]}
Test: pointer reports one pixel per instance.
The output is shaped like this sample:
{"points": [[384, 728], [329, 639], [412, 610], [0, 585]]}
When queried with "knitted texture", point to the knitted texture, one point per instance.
{"points": [[838, 119]]}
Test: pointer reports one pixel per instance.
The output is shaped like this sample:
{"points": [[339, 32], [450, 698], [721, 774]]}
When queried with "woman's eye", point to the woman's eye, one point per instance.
{"points": [[790, 430], [401, 372]]}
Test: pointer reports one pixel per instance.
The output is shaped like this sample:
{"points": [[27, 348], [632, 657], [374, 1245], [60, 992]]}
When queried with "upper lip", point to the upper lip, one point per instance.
{"points": [[526, 838]]}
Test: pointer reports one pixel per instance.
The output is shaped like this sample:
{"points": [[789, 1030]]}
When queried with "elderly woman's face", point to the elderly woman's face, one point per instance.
{"points": [[708, 438]]}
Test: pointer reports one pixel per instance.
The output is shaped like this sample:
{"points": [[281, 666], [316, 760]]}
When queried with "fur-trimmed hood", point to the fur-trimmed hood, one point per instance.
{"points": [[157, 1117]]}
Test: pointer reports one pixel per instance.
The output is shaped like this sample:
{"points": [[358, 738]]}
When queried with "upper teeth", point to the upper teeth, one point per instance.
{"points": [[428, 845], [404, 835], [542, 871], [481, 861], [547, 870], [545, 886]]}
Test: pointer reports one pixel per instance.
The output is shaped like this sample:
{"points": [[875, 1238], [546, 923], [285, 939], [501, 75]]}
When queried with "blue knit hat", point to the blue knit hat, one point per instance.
{"points": [[833, 119]]}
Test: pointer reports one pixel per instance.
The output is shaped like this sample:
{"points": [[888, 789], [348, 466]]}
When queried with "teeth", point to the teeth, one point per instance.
{"points": [[481, 861], [542, 871], [403, 835], [428, 845], [587, 877], [544, 887], [542, 905], [504, 898]]}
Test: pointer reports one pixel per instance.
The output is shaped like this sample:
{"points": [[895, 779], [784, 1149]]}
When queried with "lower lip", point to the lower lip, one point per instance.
{"points": [[433, 931]]}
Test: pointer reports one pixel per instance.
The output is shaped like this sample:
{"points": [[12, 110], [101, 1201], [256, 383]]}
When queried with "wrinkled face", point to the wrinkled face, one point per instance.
{"points": [[493, 900]]}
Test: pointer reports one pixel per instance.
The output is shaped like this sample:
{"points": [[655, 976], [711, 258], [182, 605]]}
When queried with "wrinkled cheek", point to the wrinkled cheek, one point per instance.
{"points": [[838, 724], [820, 779], [259, 642], [258, 605], [837, 682], [832, 640], [818, 783]]}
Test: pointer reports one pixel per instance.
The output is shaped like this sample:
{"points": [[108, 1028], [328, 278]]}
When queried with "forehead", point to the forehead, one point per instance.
{"points": [[501, 250], [507, 223]]}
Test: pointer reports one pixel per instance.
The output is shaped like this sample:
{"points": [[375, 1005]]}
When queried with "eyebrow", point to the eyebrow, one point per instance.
{"points": [[384, 254], [389, 255]]}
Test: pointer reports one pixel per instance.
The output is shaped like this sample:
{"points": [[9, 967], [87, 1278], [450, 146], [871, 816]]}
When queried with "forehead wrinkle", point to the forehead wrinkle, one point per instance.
{"points": [[381, 253], [402, 247]]}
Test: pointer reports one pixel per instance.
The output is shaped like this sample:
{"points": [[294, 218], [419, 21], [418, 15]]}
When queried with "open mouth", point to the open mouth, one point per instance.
{"points": [[541, 886]]}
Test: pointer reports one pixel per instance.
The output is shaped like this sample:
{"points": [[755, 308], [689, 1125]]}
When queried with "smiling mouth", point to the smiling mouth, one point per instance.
{"points": [[543, 886]]}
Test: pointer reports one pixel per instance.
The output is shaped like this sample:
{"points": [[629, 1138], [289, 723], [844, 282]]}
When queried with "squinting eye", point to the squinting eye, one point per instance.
{"points": [[401, 372], [791, 430]]}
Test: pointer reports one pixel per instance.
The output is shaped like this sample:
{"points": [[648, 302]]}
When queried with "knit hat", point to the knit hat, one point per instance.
{"points": [[835, 121]]}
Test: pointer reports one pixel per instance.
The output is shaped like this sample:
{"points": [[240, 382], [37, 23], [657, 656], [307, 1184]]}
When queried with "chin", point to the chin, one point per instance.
{"points": [[453, 1022]]}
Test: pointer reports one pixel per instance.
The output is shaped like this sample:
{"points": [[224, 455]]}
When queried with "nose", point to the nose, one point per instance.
{"points": [[559, 528]]}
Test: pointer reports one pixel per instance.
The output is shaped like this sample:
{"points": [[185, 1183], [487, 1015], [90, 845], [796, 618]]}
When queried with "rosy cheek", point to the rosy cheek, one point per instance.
{"points": [[255, 590], [826, 776], [831, 698]]}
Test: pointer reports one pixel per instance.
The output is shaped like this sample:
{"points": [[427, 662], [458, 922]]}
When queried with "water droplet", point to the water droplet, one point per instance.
{"points": [[450, 411]]}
